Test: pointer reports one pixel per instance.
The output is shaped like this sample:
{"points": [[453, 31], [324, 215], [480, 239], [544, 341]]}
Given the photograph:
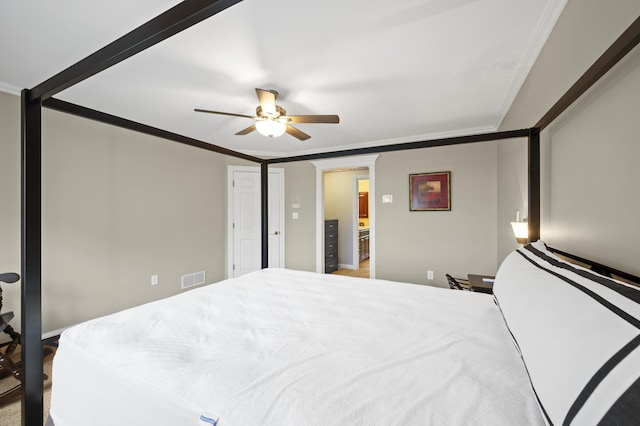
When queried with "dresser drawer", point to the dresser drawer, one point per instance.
{"points": [[331, 225], [331, 266], [331, 255], [331, 230]]}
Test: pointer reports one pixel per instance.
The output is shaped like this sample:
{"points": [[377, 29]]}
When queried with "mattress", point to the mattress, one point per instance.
{"points": [[284, 347]]}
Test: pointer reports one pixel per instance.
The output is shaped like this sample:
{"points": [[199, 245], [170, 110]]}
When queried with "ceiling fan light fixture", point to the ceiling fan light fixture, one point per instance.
{"points": [[271, 128], [272, 120]]}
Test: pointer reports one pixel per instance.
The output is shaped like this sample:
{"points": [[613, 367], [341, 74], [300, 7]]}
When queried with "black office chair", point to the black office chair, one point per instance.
{"points": [[7, 366], [458, 283]]}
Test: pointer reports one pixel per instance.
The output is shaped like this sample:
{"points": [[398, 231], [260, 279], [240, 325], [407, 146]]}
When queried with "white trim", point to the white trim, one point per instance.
{"points": [[355, 240], [547, 22], [347, 266], [345, 163], [10, 88], [356, 220], [230, 171], [53, 333]]}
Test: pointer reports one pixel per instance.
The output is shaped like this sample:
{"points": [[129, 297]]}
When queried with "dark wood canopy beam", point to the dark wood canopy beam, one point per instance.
{"points": [[163, 26], [623, 45], [92, 114], [599, 267], [485, 137]]}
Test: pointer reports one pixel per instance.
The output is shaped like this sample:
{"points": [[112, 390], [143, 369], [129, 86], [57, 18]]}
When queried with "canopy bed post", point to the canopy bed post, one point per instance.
{"points": [[165, 25], [264, 194], [31, 269], [533, 172]]}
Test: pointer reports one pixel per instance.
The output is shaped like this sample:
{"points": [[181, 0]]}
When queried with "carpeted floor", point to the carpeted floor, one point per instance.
{"points": [[10, 414]]}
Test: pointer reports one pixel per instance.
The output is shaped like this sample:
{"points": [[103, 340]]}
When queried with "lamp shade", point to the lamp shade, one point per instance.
{"points": [[271, 128], [521, 231]]}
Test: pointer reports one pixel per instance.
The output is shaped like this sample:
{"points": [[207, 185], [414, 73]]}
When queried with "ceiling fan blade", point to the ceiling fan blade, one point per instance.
{"points": [[312, 118], [296, 133], [267, 99], [224, 113], [247, 130]]}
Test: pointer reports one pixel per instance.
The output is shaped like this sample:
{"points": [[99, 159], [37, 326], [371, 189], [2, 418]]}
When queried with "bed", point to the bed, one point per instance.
{"points": [[284, 347], [529, 329]]}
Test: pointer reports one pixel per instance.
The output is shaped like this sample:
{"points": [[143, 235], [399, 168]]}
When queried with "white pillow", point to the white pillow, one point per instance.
{"points": [[578, 333]]}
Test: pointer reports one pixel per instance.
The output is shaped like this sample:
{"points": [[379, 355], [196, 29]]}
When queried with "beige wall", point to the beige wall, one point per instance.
{"points": [[300, 240], [118, 207], [458, 242], [512, 192], [593, 204], [10, 197], [585, 150], [408, 244]]}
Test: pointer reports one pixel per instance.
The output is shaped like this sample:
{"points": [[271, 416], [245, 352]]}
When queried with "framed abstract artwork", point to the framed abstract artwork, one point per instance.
{"points": [[430, 191]]}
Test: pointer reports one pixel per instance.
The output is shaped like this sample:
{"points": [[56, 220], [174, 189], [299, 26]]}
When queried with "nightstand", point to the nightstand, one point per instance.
{"points": [[481, 283]]}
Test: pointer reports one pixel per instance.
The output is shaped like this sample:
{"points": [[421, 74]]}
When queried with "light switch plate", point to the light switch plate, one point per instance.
{"points": [[387, 199], [295, 202]]}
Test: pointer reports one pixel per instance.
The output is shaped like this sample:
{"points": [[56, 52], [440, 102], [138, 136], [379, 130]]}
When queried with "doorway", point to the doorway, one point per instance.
{"points": [[359, 163], [244, 229]]}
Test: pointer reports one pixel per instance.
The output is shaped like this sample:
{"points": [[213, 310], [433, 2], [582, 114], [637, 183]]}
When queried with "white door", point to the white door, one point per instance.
{"points": [[245, 230], [276, 219]]}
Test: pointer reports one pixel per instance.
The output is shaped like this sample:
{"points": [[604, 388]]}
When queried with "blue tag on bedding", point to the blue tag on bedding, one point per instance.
{"points": [[207, 421]]}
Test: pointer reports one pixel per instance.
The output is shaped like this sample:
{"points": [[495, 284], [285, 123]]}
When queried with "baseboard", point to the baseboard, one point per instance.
{"points": [[348, 266]]}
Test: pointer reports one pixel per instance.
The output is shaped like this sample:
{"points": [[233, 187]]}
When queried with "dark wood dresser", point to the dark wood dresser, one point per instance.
{"points": [[330, 246]]}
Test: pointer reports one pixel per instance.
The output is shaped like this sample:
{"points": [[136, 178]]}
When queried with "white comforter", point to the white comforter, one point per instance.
{"points": [[282, 347]]}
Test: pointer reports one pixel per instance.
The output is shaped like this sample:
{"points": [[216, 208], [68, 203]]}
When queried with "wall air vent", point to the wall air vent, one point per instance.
{"points": [[191, 280]]}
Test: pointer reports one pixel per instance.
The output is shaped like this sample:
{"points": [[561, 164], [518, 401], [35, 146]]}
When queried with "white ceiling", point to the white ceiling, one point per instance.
{"points": [[401, 71]]}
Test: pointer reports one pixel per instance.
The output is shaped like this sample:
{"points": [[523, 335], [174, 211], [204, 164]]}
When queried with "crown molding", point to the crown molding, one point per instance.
{"points": [[10, 88]]}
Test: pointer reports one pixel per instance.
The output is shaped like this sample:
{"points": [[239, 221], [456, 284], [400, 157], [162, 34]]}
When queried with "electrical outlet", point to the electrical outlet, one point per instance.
{"points": [[154, 280], [429, 275]]}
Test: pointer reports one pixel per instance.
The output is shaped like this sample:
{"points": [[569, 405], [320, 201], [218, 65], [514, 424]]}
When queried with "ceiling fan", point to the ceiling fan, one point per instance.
{"points": [[272, 120]]}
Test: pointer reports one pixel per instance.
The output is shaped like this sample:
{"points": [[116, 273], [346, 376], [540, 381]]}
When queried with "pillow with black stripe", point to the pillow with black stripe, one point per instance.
{"points": [[579, 335]]}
